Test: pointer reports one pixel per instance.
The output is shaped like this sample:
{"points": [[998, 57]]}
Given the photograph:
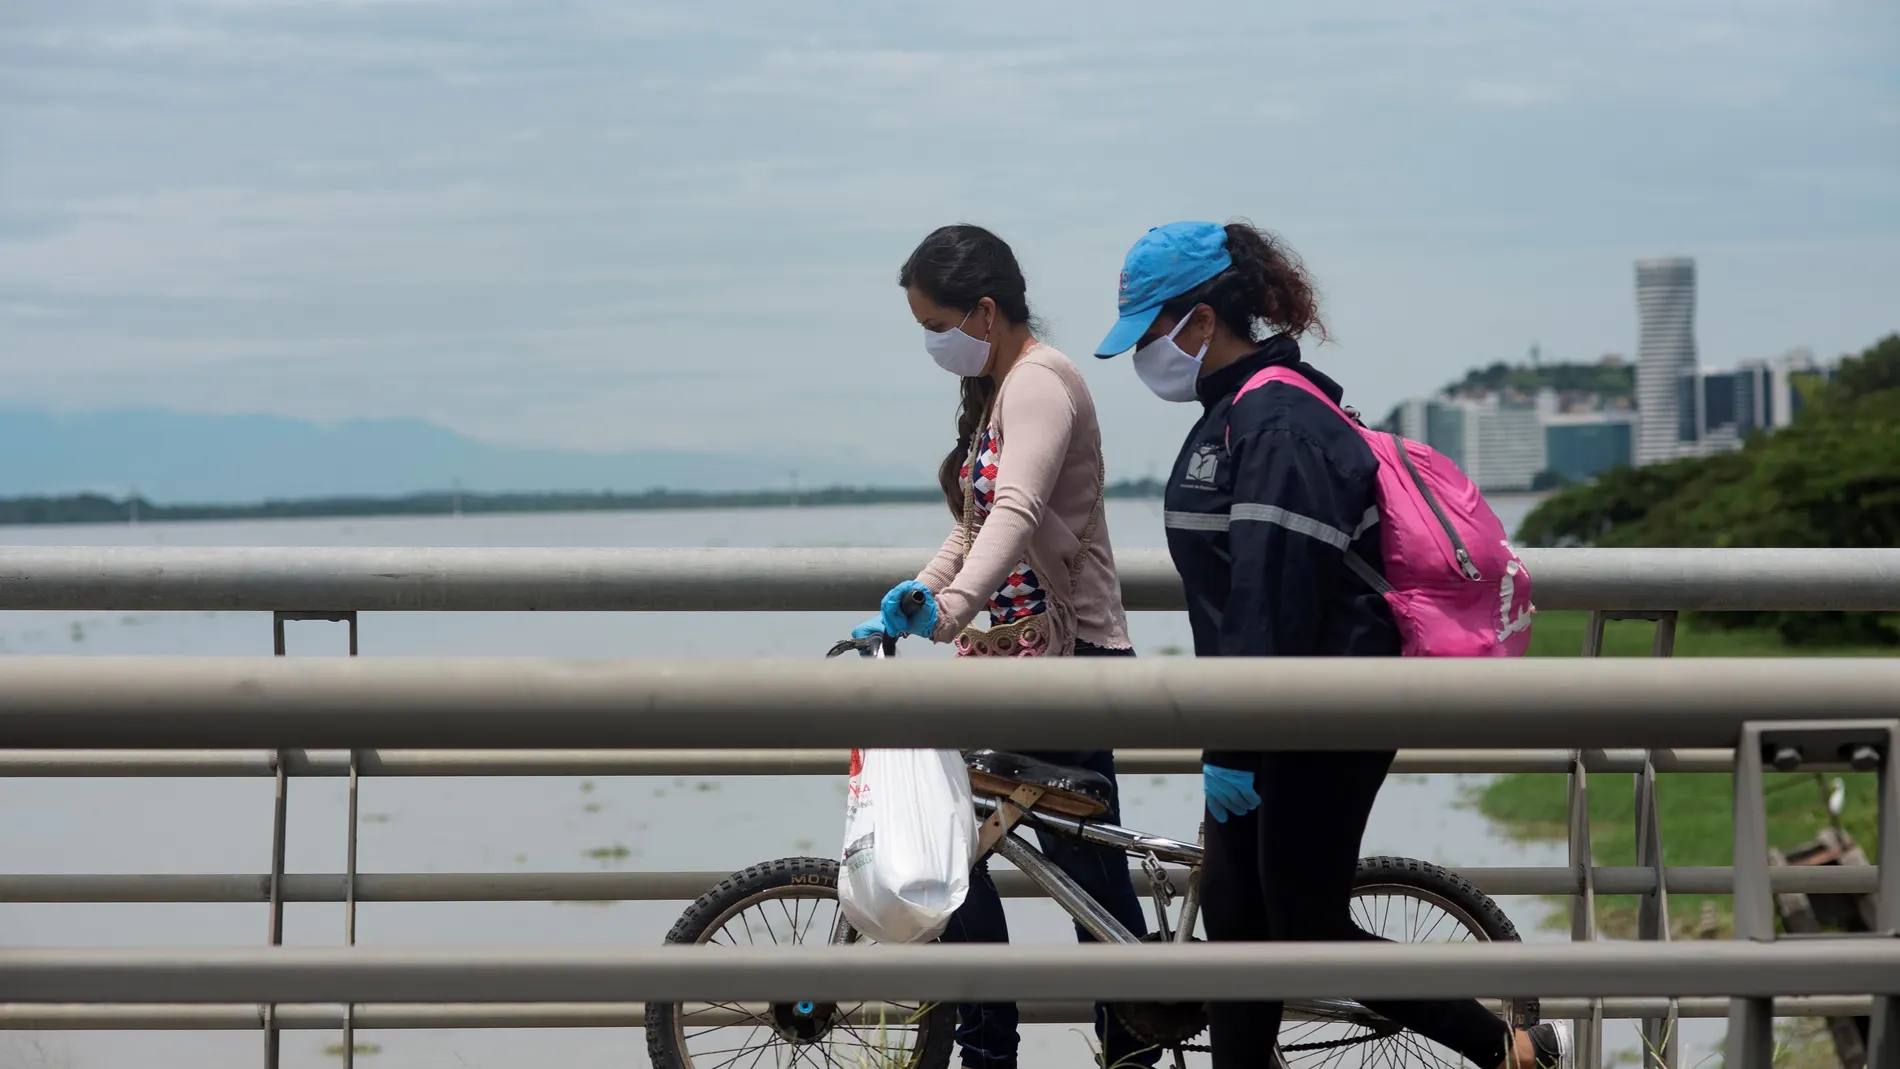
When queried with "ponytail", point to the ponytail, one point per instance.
{"points": [[1265, 292]]}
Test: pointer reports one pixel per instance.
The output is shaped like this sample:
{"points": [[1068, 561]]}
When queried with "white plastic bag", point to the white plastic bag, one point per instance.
{"points": [[909, 831]]}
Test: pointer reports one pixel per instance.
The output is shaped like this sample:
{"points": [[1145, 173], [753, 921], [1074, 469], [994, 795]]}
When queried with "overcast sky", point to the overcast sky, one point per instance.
{"points": [[656, 223]]}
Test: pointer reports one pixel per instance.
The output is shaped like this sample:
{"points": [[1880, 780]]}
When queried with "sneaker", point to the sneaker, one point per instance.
{"points": [[1552, 1042]]}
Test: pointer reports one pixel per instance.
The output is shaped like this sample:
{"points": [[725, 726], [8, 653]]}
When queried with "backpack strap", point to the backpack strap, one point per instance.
{"points": [[1366, 572], [1292, 378]]}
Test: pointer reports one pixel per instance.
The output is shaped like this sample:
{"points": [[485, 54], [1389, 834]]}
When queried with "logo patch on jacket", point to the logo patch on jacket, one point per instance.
{"points": [[1202, 467]]}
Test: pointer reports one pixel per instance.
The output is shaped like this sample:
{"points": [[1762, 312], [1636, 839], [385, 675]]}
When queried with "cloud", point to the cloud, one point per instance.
{"points": [[1507, 95], [593, 223]]}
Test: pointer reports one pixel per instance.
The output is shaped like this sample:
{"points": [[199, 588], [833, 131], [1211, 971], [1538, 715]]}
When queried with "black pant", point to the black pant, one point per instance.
{"points": [[987, 1031], [1284, 873]]}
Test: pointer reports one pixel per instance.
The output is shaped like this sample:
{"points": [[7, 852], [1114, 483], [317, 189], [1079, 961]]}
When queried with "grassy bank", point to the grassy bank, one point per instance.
{"points": [[1695, 807]]}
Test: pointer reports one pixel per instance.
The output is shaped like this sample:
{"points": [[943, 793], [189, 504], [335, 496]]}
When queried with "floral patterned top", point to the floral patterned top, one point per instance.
{"points": [[1021, 595]]}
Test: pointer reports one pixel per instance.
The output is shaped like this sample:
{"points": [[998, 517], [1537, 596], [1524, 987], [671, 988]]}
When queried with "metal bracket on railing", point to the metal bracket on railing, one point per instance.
{"points": [[1662, 645], [1866, 746], [278, 619]]}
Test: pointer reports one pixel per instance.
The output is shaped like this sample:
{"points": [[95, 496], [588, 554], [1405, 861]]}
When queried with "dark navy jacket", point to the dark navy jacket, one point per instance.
{"points": [[1264, 501]]}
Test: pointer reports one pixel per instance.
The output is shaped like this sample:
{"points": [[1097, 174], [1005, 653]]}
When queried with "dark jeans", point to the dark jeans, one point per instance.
{"points": [[1284, 872], [987, 1031]]}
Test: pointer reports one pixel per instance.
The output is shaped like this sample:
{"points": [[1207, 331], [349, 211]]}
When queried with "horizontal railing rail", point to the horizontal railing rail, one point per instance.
{"points": [[962, 973], [329, 579], [1035, 704], [250, 1016], [541, 718], [219, 764], [680, 886]]}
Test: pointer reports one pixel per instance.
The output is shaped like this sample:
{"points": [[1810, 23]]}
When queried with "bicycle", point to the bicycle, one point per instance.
{"points": [[1012, 792]]}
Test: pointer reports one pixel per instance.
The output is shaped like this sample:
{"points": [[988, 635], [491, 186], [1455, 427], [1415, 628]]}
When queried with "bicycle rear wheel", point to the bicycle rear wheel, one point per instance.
{"points": [[1406, 901], [787, 902]]}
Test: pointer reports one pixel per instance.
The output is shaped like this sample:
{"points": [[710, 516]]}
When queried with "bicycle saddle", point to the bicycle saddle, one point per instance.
{"points": [[1073, 792]]}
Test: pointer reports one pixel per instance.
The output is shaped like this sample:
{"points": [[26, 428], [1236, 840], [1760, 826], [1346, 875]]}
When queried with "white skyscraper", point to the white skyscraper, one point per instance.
{"points": [[1665, 306]]}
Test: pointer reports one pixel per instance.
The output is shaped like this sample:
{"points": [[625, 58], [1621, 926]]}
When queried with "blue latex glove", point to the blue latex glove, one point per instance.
{"points": [[873, 626], [1230, 792], [923, 622]]}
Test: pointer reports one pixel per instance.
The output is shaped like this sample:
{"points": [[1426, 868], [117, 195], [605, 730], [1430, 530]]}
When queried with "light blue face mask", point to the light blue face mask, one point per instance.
{"points": [[1166, 368], [957, 352]]}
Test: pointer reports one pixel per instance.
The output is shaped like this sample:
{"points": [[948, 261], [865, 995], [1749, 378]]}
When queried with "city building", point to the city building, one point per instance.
{"points": [[1579, 446], [1665, 353], [1581, 422], [1497, 441], [1716, 411]]}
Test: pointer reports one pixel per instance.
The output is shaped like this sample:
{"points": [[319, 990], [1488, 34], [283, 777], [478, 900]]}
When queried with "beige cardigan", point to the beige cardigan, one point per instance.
{"points": [[1045, 491]]}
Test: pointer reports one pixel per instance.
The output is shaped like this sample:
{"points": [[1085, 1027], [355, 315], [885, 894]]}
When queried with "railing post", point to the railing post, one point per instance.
{"points": [[1661, 1045], [279, 829], [349, 903], [1751, 1038], [1583, 904], [1883, 1046]]}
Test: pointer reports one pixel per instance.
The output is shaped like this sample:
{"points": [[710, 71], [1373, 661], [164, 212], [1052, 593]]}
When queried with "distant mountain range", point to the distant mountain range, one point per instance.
{"points": [[186, 457]]}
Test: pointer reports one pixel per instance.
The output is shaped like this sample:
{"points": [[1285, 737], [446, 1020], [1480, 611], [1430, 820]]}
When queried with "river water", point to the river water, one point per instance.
{"points": [[523, 825]]}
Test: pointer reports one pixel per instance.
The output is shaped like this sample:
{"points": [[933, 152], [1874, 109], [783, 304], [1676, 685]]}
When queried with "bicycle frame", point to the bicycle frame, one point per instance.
{"points": [[1097, 921]]}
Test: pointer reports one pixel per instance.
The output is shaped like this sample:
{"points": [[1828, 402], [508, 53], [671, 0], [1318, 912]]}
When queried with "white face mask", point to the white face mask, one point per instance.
{"points": [[957, 352], [1167, 369]]}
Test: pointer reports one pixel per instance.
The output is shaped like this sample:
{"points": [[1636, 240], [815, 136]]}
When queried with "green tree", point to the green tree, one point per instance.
{"points": [[1831, 479]]}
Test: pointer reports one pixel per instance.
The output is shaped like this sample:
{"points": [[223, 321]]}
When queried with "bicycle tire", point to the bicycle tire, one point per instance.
{"points": [[1174, 1026], [794, 877], [1492, 921]]}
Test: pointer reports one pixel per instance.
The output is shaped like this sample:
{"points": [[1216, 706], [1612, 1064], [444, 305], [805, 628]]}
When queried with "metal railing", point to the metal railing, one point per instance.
{"points": [[329, 579], [1687, 716]]}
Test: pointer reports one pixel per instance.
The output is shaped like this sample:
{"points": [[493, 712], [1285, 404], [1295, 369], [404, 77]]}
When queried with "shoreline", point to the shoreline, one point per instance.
{"points": [[98, 510]]}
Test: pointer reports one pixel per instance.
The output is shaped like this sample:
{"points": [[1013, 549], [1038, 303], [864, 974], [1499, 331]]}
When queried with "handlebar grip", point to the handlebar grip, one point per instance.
{"points": [[913, 601]]}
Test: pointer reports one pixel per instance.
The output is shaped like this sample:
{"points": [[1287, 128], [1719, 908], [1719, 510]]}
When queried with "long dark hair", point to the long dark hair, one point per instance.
{"points": [[1267, 290], [957, 266]]}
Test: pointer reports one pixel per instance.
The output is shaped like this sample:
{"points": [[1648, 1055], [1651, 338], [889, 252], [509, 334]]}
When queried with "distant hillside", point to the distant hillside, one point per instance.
{"points": [[1606, 380], [98, 508], [174, 456]]}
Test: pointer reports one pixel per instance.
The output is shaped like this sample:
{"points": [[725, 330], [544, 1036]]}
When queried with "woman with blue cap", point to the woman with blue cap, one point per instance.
{"points": [[1271, 493], [1029, 547]]}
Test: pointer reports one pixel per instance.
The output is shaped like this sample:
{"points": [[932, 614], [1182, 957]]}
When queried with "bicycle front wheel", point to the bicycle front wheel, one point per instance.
{"points": [[1405, 901], [785, 903]]}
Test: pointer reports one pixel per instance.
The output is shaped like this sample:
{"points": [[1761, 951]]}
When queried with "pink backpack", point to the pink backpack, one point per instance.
{"points": [[1455, 586]]}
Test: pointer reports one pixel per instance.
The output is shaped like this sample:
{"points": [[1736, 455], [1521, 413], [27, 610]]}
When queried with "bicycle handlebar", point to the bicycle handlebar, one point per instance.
{"points": [[912, 601]]}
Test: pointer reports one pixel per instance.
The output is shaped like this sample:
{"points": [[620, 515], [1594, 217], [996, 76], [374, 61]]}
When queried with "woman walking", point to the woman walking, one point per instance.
{"points": [[1272, 522], [1029, 546]]}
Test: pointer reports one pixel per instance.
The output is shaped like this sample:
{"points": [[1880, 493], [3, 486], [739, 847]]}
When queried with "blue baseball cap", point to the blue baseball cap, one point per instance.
{"points": [[1167, 262]]}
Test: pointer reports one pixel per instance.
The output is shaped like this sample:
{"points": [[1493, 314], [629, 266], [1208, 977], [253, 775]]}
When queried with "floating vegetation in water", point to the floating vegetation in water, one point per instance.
{"points": [[591, 807], [608, 855], [335, 1050], [803, 844], [587, 786], [378, 818], [706, 786]]}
